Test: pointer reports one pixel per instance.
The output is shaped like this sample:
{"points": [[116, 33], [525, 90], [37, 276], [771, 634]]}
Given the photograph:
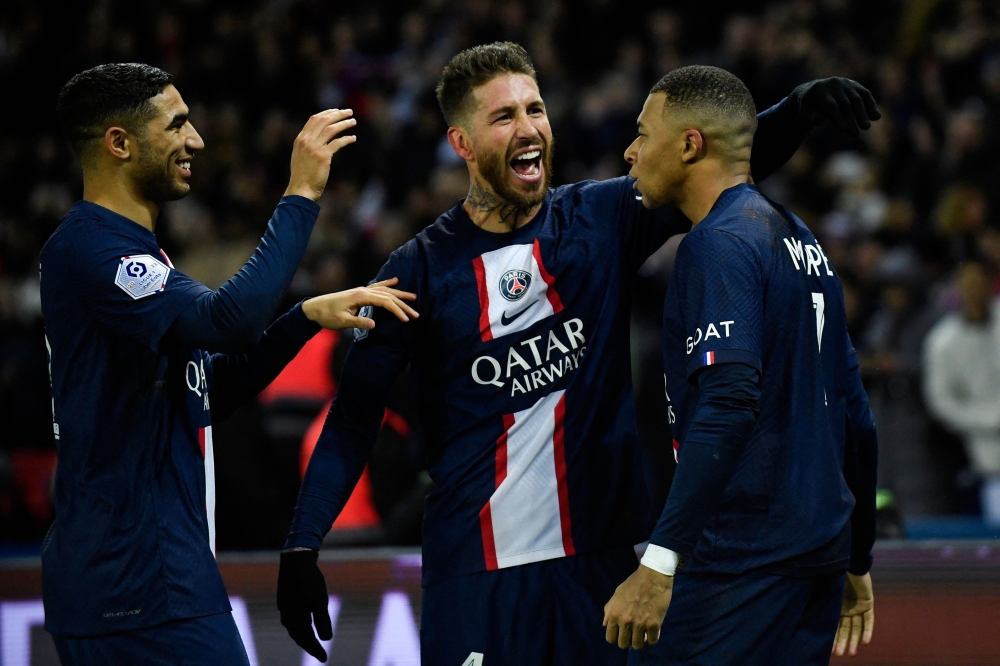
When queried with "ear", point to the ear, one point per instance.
{"points": [[118, 143], [460, 143], [693, 146]]}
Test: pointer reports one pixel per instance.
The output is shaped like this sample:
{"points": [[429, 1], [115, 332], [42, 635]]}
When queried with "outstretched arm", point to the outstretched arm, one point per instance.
{"points": [[781, 129], [234, 318], [237, 377]]}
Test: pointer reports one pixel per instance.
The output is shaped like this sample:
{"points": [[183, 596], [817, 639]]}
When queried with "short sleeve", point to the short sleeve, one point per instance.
{"points": [[720, 294], [127, 289]]}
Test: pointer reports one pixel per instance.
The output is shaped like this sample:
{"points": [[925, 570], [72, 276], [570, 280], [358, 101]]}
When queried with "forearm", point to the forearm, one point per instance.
{"points": [[346, 441], [861, 465], [722, 424], [779, 134], [237, 377], [234, 318]]}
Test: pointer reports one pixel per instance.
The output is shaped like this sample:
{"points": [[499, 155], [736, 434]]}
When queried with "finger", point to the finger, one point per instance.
{"points": [[858, 108], [653, 635], [638, 637], [850, 127], [340, 142], [625, 636], [307, 641], [333, 129], [871, 108], [842, 633], [408, 295], [384, 283], [611, 635], [318, 121], [363, 323], [395, 296], [855, 635], [383, 300], [830, 110], [324, 628], [869, 626]]}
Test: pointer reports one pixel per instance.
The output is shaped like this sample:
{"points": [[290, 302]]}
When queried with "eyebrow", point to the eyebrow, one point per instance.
{"points": [[511, 108], [179, 119]]}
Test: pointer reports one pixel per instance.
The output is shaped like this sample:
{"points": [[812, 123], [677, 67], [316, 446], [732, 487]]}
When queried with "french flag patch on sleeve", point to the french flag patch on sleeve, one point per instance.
{"points": [[710, 358]]}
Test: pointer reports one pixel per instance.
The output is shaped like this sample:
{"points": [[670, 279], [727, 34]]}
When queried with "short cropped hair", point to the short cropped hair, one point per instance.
{"points": [[472, 68], [708, 90], [106, 96]]}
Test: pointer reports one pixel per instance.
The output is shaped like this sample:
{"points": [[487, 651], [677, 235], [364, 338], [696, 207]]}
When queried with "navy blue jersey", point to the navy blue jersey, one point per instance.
{"points": [[752, 285], [520, 360], [133, 541]]}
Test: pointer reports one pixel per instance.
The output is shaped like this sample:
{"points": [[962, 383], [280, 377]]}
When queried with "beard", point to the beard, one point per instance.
{"points": [[493, 168], [154, 176]]}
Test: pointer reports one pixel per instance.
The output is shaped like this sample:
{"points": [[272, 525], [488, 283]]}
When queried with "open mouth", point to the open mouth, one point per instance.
{"points": [[185, 167], [528, 165]]}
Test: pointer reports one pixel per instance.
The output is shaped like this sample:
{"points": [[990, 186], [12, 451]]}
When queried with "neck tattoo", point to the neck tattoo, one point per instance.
{"points": [[483, 201]]}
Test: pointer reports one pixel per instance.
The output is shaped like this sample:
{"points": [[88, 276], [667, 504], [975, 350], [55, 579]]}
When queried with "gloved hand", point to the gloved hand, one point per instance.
{"points": [[303, 599], [845, 103]]}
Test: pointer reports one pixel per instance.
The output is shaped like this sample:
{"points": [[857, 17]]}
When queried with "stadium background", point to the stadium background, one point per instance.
{"points": [[897, 210]]}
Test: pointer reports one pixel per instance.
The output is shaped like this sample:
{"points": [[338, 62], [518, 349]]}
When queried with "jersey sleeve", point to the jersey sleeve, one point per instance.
{"points": [[127, 290], [376, 358], [720, 293], [642, 231]]}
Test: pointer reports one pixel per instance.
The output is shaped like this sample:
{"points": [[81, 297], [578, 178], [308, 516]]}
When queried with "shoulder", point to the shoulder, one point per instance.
{"points": [[595, 192], [80, 234]]}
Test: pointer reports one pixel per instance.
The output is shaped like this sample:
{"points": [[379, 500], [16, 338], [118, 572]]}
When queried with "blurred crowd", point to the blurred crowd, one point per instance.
{"points": [[908, 213]]}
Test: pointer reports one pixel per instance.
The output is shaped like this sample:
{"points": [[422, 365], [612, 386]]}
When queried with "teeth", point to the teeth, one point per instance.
{"points": [[529, 156], [185, 165]]}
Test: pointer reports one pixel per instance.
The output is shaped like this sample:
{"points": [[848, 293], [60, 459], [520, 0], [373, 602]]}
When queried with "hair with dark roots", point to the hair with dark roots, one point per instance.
{"points": [[472, 68], [106, 96], [708, 90]]}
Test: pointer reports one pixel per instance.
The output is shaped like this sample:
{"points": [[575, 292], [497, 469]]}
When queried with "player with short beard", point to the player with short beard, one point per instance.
{"points": [[128, 567], [521, 367]]}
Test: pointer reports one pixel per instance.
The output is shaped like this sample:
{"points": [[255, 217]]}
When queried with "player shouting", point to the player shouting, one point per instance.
{"points": [[128, 572], [521, 366], [774, 495]]}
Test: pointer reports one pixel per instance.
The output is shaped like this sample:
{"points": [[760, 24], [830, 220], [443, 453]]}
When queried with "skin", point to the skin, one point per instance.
{"points": [[506, 118], [681, 160], [133, 172]]}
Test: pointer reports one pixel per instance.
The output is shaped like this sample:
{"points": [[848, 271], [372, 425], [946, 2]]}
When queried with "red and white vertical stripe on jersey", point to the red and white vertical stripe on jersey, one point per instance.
{"points": [[169, 263], [499, 316], [527, 519], [208, 451]]}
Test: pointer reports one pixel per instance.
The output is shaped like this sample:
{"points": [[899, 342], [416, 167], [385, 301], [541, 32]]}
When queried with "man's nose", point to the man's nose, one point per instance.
{"points": [[194, 141]]}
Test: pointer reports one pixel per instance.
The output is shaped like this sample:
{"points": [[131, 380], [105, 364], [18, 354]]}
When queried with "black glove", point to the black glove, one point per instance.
{"points": [[845, 103], [303, 599]]}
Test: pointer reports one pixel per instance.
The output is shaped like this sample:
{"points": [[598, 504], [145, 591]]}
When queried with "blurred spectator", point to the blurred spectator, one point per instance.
{"points": [[962, 381]]}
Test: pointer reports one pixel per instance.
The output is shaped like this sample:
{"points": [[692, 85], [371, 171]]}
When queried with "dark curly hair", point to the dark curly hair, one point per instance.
{"points": [[109, 95], [472, 68]]}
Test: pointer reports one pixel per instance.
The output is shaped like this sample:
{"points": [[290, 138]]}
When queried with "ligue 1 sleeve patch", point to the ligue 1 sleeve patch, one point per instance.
{"points": [[141, 275]]}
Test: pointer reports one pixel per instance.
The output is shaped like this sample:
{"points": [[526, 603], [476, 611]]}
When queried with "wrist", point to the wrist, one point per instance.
{"points": [[310, 309], [302, 191], [659, 559]]}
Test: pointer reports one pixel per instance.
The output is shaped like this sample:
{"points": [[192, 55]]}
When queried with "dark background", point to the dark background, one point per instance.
{"points": [[896, 210]]}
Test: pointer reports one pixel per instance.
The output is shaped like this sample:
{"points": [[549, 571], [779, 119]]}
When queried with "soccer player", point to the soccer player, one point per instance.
{"points": [[128, 568], [774, 494], [521, 366]]}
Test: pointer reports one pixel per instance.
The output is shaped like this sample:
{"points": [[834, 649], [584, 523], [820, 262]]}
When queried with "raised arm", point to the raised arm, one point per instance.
{"points": [[781, 129], [234, 318]]}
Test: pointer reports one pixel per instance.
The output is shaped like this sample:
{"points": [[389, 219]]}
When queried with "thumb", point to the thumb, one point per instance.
{"points": [[363, 323]]}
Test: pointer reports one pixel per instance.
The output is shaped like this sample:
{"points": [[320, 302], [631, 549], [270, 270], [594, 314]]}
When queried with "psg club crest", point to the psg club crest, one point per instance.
{"points": [[514, 284]]}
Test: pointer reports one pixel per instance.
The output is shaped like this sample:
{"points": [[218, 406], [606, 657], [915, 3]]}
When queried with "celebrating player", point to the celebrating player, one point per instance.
{"points": [[128, 568], [774, 495], [521, 365]]}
